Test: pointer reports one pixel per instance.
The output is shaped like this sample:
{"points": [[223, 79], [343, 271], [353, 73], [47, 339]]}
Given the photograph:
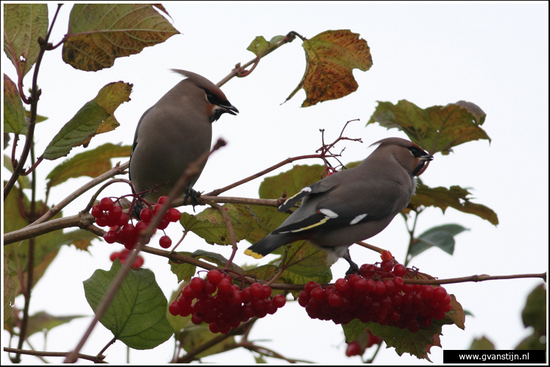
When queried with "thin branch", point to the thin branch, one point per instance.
{"points": [[265, 171], [84, 220], [95, 359], [240, 71], [118, 169]]}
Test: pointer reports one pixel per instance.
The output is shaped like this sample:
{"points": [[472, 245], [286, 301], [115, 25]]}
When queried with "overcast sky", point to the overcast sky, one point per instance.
{"points": [[493, 54]]}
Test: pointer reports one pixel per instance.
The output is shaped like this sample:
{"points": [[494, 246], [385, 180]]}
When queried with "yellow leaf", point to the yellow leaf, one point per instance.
{"points": [[331, 56]]}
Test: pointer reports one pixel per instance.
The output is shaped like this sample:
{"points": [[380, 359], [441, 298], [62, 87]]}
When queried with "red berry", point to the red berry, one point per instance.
{"points": [[123, 220], [256, 290], [106, 204], [279, 300], [173, 215], [225, 285], [342, 285], [102, 220], [165, 242], [138, 263], [214, 276], [162, 199], [353, 349], [335, 299], [266, 291], [427, 291], [111, 236], [197, 284], [164, 222], [115, 213], [174, 308], [439, 292], [146, 215], [96, 211], [399, 270]]}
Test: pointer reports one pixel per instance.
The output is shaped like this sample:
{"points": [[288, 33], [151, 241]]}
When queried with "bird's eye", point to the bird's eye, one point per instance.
{"points": [[416, 152], [212, 98]]}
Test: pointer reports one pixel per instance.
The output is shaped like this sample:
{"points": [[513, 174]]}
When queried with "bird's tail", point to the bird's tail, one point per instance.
{"points": [[266, 245]]}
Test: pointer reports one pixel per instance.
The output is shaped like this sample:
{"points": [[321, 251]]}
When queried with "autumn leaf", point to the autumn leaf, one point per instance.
{"points": [[100, 33], [455, 197], [436, 128], [95, 117], [331, 56]]}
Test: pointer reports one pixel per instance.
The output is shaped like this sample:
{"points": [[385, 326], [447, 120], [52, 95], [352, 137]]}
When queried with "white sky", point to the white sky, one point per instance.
{"points": [[493, 54]]}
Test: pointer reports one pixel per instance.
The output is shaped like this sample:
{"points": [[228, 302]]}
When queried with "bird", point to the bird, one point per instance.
{"points": [[350, 205], [171, 134]]}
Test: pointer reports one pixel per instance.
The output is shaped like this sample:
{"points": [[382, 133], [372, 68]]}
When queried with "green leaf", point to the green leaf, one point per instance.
{"points": [[259, 45], [14, 113], [534, 312], [455, 197], [91, 163], [437, 128], [41, 321], [331, 57], [210, 225], [100, 33], [95, 117], [137, 314], [23, 25], [440, 236], [353, 330], [482, 344]]}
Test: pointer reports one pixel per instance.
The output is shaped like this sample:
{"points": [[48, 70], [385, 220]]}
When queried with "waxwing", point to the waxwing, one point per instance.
{"points": [[173, 133], [350, 205]]}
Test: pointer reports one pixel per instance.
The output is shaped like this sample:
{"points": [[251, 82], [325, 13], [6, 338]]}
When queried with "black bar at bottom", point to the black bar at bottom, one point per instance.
{"points": [[494, 356]]}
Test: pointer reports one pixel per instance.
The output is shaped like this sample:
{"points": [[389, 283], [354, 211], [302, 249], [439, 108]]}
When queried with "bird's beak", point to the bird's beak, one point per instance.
{"points": [[423, 160], [427, 157], [230, 109]]}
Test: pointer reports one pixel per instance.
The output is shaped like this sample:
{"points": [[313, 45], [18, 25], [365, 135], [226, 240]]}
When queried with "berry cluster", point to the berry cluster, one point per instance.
{"points": [[355, 349], [109, 214], [123, 255], [227, 307], [378, 294]]}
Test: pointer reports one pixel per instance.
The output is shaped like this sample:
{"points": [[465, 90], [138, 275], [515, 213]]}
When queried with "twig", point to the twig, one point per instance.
{"points": [[265, 171], [118, 169], [240, 71], [95, 359], [84, 220]]}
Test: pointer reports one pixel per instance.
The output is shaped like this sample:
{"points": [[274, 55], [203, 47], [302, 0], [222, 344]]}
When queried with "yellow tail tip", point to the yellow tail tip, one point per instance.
{"points": [[255, 255]]}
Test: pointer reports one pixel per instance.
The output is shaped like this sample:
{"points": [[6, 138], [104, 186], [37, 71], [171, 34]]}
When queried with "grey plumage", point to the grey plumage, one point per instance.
{"points": [[174, 132], [352, 204]]}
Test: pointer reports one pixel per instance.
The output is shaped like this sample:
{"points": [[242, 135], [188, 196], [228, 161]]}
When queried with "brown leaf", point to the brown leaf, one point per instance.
{"points": [[100, 33], [331, 56]]}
